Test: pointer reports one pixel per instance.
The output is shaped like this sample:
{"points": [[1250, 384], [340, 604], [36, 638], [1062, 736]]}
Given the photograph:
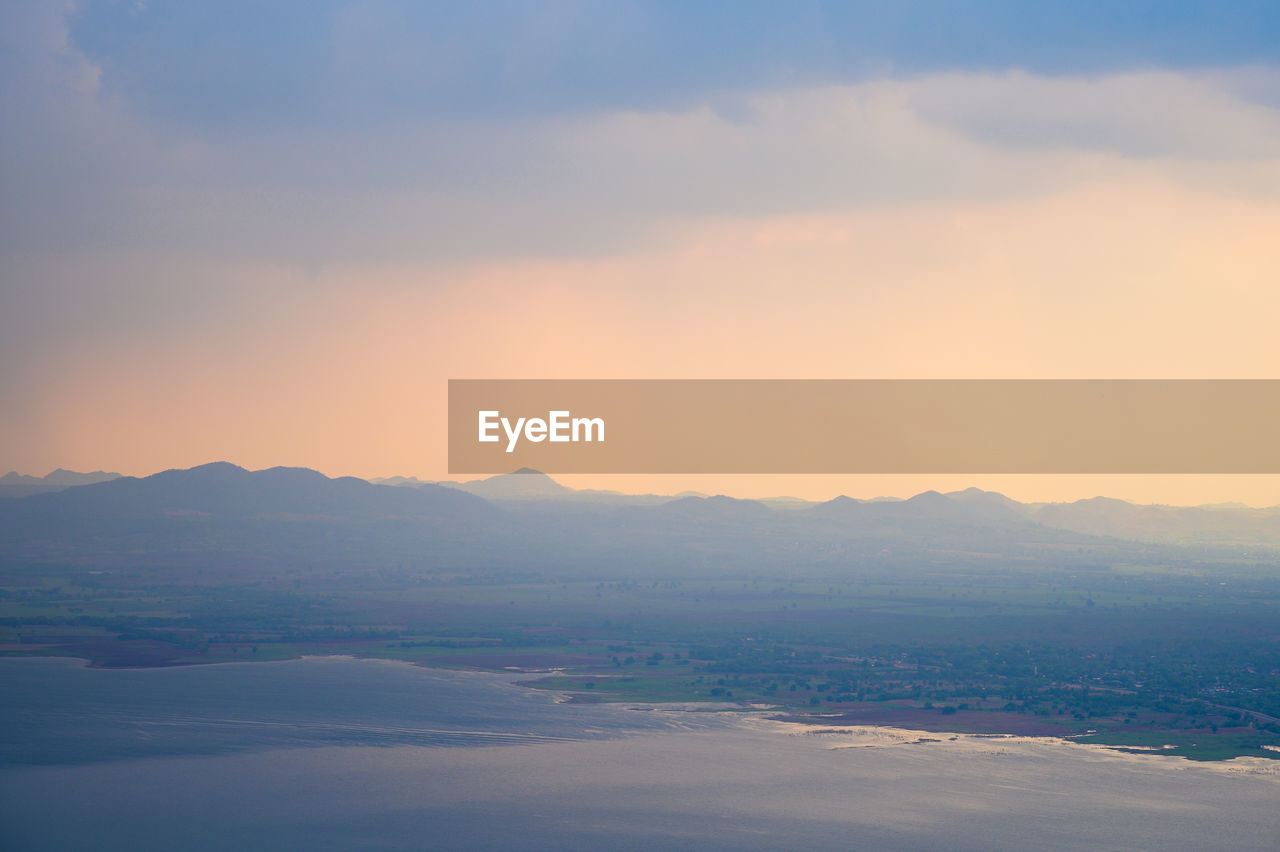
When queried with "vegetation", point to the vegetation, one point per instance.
{"points": [[1185, 659], [1131, 626]]}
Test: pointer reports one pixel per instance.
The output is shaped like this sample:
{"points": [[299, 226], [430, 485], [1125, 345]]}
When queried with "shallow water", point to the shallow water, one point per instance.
{"points": [[60, 711], [340, 753]]}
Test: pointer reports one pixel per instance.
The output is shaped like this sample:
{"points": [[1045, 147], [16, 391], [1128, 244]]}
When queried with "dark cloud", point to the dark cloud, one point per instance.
{"points": [[316, 133], [225, 64]]}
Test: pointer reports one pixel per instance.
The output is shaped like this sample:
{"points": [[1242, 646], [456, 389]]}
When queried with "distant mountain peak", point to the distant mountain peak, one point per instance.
{"points": [[716, 506], [404, 481], [1104, 501], [56, 479], [523, 484], [223, 489], [209, 467]]}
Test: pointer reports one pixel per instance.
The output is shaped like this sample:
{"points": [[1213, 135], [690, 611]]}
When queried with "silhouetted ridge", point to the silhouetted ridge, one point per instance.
{"points": [[221, 489], [14, 484], [714, 508], [524, 484], [971, 507]]}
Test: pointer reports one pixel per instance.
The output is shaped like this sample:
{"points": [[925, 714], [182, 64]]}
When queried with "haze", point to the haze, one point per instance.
{"points": [[272, 235]]}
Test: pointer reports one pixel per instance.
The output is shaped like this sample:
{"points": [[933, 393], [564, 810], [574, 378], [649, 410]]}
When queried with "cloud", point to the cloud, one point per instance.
{"points": [[391, 63], [445, 191], [94, 163], [1151, 114], [347, 372], [221, 232], [119, 220]]}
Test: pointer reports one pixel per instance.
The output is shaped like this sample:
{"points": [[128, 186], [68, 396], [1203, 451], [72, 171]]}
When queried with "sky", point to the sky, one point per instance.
{"points": [[270, 233]]}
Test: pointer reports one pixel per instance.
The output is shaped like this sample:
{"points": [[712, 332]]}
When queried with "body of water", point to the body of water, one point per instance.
{"points": [[336, 753]]}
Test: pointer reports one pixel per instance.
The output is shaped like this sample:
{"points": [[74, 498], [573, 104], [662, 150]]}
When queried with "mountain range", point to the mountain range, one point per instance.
{"points": [[526, 485], [14, 484], [225, 517], [1227, 524]]}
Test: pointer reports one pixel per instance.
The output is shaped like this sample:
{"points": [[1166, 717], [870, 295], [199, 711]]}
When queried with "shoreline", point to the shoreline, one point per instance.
{"points": [[925, 725]]}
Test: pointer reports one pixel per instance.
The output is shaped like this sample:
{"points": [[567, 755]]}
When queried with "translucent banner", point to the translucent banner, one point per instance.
{"points": [[864, 426]]}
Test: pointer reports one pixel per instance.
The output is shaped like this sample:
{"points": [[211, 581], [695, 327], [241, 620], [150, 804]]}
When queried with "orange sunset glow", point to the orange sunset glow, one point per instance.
{"points": [[873, 229]]}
